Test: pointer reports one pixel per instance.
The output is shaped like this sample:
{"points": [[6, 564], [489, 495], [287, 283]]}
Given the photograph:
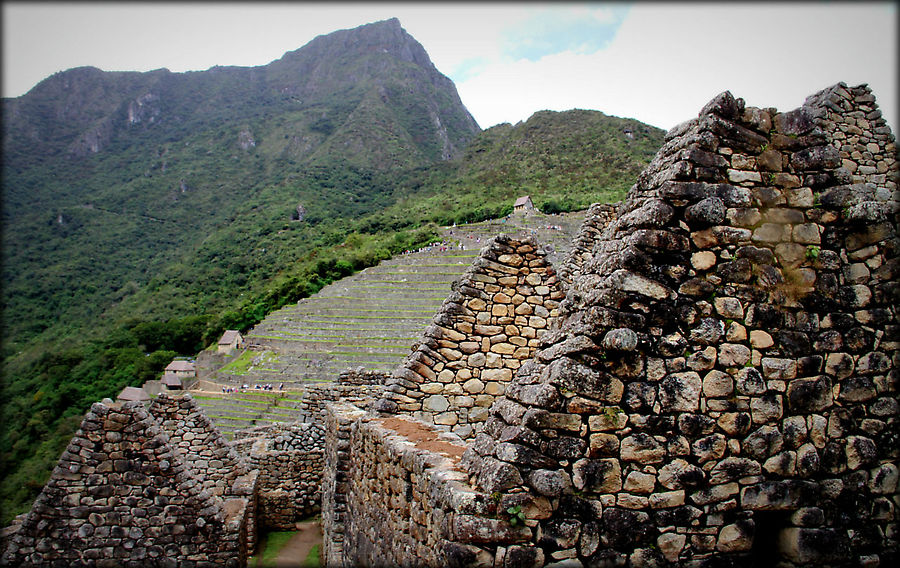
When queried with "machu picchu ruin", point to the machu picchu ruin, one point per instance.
{"points": [[704, 374]]}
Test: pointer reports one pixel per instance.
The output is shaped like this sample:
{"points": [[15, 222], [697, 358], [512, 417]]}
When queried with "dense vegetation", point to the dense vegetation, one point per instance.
{"points": [[144, 213]]}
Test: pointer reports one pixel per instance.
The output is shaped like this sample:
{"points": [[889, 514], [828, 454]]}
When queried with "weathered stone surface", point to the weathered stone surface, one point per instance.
{"points": [[810, 395], [680, 392], [642, 448], [813, 546], [778, 495], [679, 474], [597, 475], [479, 530]]}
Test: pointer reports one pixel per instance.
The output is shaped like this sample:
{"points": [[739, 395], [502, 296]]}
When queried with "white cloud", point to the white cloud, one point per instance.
{"points": [[668, 60]]}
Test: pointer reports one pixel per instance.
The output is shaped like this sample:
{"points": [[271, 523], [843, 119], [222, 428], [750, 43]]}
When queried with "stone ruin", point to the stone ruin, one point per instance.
{"points": [[141, 488], [481, 335], [710, 379], [719, 387]]}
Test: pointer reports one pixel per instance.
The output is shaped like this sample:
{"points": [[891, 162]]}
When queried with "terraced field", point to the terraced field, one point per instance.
{"points": [[242, 410], [369, 320]]}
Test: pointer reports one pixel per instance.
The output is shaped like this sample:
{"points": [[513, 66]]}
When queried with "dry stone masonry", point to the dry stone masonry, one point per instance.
{"points": [[483, 332], [711, 380], [213, 461], [124, 494], [598, 216], [290, 460], [719, 389]]}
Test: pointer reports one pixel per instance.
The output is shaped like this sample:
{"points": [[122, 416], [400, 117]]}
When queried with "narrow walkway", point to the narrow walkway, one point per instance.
{"points": [[294, 553]]}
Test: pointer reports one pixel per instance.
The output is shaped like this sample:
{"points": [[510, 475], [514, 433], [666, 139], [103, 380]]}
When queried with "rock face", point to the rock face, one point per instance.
{"points": [[371, 87], [720, 384]]}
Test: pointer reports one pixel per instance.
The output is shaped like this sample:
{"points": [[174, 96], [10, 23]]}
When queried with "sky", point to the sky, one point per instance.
{"points": [[655, 62]]}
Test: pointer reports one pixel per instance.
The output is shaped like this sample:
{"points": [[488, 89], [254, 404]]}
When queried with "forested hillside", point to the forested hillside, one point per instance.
{"points": [[144, 213]]}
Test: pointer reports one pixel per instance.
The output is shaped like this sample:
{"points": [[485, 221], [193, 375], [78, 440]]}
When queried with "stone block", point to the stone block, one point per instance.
{"points": [[639, 482], [642, 448], [597, 475], [809, 394], [779, 495], [551, 483], [737, 537], [808, 546], [670, 545], [479, 530], [680, 392]]}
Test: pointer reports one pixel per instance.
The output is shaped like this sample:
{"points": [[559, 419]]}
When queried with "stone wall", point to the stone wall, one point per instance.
{"points": [[317, 395], [290, 457], [217, 466], [123, 494], [394, 495], [481, 335], [290, 460], [721, 383], [358, 377], [720, 387], [598, 216]]}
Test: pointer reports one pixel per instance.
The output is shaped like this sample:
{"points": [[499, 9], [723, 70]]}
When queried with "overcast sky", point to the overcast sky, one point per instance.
{"points": [[658, 63]]}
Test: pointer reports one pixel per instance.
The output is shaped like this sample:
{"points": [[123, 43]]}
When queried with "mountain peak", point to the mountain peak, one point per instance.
{"points": [[385, 36]]}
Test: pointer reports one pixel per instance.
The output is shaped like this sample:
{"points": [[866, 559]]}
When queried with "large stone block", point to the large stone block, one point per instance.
{"points": [[579, 378], [779, 495], [479, 530], [643, 448], [680, 392], [809, 395]]}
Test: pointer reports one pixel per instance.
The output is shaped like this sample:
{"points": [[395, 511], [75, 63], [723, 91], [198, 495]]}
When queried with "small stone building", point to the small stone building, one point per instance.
{"points": [[125, 493], [182, 368], [230, 340], [133, 394], [523, 205], [171, 381]]}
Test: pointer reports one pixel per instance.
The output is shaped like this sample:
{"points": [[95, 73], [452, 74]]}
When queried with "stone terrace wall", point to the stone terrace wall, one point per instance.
{"points": [[123, 495], [721, 385], [598, 216], [358, 377], [480, 336], [317, 395]]}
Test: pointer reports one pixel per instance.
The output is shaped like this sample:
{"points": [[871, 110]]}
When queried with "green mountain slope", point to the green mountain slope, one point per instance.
{"points": [[143, 213]]}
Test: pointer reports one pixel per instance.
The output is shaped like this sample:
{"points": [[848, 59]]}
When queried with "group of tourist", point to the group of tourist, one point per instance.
{"points": [[245, 386], [442, 246]]}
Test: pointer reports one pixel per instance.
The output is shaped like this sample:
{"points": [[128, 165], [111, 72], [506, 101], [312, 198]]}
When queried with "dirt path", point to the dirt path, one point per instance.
{"points": [[297, 548]]}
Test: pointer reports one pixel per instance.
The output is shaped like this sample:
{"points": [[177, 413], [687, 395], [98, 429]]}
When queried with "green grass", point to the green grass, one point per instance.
{"points": [[312, 559], [241, 365], [271, 545]]}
